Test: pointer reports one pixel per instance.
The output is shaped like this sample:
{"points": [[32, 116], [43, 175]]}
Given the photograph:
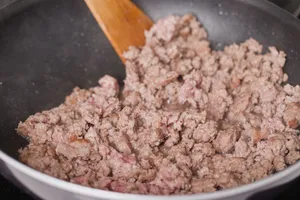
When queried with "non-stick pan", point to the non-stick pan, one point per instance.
{"points": [[49, 47]]}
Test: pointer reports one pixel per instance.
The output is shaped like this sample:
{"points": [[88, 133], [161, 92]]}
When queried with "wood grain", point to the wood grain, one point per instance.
{"points": [[122, 22]]}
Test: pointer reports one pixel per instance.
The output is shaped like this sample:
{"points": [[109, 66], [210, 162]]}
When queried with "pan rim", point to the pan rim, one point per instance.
{"points": [[96, 193]]}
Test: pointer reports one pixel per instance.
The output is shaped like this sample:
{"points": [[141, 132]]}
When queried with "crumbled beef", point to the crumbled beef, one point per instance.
{"points": [[206, 132], [189, 119]]}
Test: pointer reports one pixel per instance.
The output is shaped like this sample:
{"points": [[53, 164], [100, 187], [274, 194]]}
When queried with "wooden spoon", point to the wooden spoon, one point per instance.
{"points": [[122, 22]]}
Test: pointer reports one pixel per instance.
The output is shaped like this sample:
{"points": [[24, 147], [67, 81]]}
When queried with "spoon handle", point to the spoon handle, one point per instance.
{"points": [[122, 22]]}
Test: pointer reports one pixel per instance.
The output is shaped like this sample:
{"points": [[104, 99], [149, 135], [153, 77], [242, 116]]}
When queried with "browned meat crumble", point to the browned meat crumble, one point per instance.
{"points": [[190, 119]]}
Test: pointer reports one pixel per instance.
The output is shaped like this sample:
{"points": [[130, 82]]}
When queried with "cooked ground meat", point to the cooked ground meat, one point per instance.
{"points": [[189, 119]]}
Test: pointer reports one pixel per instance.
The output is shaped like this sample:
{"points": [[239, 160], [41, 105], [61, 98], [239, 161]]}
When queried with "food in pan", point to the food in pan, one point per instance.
{"points": [[190, 119]]}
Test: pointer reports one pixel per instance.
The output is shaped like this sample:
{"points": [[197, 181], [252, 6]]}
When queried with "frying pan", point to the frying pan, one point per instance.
{"points": [[49, 47]]}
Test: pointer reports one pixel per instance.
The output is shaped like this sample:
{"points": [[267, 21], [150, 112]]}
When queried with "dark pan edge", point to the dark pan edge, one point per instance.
{"points": [[14, 7], [7, 174], [274, 10]]}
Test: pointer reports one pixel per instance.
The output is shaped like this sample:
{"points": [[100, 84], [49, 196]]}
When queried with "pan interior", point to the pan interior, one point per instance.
{"points": [[53, 46]]}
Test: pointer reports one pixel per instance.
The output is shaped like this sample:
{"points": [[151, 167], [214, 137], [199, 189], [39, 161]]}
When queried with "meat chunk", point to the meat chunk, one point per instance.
{"points": [[226, 140], [206, 132], [291, 115], [77, 148], [172, 177], [110, 84], [203, 185]]}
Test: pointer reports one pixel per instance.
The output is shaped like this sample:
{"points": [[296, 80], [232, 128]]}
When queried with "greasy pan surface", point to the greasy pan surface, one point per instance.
{"points": [[53, 46]]}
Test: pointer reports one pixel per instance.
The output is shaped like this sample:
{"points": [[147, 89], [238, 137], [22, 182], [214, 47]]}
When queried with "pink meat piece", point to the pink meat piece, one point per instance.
{"points": [[110, 84], [77, 148], [291, 115], [225, 140], [203, 185], [171, 177], [206, 132]]}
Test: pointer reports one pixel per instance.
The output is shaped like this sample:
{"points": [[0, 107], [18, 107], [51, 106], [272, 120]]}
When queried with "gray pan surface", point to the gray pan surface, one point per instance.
{"points": [[52, 46]]}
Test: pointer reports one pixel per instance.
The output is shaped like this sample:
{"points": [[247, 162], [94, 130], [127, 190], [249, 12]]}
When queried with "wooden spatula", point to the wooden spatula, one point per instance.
{"points": [[122, 22]]}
